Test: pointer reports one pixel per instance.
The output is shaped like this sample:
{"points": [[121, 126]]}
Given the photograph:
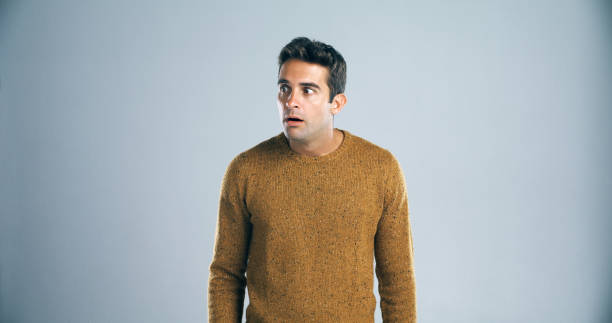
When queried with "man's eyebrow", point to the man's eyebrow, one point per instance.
{"points": [[310, 84], [314, 85]]}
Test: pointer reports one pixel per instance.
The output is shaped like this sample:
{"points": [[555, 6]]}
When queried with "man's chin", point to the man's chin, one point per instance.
{"points": [[294, 134]]}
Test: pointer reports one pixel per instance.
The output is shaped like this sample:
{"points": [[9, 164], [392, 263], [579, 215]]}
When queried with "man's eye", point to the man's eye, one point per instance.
{"points": [[308, 90], [284, 89]]}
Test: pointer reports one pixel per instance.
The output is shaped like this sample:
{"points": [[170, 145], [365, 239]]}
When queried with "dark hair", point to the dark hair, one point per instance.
{"points": [[313, 51]]}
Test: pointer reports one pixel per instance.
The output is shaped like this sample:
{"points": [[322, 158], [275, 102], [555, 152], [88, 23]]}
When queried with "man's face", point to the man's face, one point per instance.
{"points": [[303, 93]]}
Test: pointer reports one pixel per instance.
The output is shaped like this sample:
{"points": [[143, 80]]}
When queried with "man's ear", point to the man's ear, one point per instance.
{"points": [[337, 103]]}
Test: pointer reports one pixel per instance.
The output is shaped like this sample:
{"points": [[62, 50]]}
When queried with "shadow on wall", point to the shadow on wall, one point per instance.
{"points": [[607, 303], [5, 7], [606, 9]]}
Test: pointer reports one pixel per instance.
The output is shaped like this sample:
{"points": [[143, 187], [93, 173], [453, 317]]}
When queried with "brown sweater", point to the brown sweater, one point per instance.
{"points": [[306, 229]]}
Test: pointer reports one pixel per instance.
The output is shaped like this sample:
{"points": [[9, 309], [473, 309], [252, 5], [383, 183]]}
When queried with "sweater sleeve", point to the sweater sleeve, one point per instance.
{"points": [[394, 251], [227, 281]]}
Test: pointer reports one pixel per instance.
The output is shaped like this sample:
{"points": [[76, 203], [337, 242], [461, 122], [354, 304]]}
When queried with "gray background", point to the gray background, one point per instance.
{"points": [[117, 121]]}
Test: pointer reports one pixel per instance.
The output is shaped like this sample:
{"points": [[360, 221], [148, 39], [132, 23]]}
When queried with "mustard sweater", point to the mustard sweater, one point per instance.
{"points": [[305, 231]]}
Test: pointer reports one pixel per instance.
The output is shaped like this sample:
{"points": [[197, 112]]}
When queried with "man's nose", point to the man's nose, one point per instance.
{"points": [[292, 101]]}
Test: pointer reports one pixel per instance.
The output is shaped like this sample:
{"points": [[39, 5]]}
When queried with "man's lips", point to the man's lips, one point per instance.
{"points": [[294, 121], [293, 118]]}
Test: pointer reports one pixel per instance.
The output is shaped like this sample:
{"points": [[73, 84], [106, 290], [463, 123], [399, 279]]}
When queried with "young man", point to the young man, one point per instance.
{"points": [[305, 212]]}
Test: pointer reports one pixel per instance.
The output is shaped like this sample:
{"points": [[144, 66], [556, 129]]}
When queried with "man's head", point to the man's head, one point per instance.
{"points": [[311, 80], [313, 51]]}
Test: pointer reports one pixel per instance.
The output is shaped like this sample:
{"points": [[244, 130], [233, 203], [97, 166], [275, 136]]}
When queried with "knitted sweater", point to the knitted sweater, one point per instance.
{"points": [[306, 229]]}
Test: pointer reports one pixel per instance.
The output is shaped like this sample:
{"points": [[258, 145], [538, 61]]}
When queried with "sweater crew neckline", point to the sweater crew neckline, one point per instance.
{"points": [[346, 140]]}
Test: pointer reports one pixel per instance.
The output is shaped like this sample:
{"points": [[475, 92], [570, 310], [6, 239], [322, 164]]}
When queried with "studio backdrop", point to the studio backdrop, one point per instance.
{"points": [[118, 120]]}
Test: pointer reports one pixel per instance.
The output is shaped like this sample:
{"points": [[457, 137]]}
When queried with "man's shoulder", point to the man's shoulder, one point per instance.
{"points": [[371, 149], [262, 150], [385, 160]]}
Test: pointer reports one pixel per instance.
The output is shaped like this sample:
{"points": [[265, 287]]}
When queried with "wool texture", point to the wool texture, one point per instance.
{"points": [[301, 234]]}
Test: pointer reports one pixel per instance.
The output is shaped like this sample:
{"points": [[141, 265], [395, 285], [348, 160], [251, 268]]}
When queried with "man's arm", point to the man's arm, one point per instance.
{"points": [[394, 252], [227, 282]]}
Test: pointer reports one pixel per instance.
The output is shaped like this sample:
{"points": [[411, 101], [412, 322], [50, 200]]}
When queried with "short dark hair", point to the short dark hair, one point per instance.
{"points": [[313, 51]]}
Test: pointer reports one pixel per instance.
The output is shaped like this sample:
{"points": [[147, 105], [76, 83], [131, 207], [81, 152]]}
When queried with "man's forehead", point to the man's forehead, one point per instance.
{"points": [[299, 71]]}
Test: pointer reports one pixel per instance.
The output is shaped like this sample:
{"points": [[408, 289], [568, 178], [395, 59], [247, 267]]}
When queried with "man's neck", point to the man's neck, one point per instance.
{"points": [[323, 146]]}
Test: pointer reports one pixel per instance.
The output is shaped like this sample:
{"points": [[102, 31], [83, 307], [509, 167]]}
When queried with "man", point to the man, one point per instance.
{"points": [[305, 212]]}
